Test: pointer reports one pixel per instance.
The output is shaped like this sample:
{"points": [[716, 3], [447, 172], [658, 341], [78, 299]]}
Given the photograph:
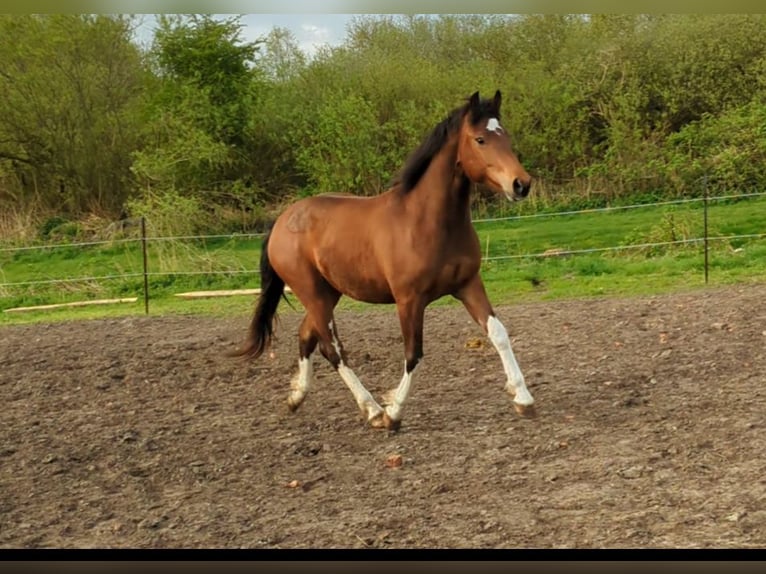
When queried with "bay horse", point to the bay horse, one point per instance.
{"points": [[409, 245]]}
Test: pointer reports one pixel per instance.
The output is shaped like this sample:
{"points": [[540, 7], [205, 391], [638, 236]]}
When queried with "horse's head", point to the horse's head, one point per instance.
{"points": [[484, 150]]}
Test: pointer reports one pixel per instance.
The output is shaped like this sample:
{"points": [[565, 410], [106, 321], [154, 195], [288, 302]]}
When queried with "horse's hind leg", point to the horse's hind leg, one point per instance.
{"points": [[332, 349], [320, 302], [307, 342]]}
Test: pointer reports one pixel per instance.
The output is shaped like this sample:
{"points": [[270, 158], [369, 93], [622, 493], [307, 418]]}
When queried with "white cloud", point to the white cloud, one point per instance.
{"points": [[321, 34], [312, 37], [311, 31]]}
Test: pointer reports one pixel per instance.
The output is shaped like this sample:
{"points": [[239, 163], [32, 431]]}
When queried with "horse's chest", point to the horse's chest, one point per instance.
{"points": [[441, 275], [442, 268], [460, 259], [456, 272]]}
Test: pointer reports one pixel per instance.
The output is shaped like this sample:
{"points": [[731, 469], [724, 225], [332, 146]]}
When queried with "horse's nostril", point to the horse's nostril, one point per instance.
{"points": [[521, 188]]}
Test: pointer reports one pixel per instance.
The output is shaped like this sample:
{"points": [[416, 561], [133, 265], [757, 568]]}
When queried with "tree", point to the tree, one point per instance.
{"points": [[200, 114], [70, 88], [208, 55]]}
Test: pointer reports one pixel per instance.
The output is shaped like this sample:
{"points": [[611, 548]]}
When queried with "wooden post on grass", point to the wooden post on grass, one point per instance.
{"points": [[704, 184], [146, 265]]}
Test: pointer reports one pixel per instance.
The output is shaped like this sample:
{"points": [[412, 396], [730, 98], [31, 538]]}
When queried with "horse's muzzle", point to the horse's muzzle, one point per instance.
{"points": [[521, 188]]}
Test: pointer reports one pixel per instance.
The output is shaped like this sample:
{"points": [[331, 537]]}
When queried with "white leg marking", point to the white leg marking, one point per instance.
{"points": [[499, 337], [394, 409], [302, 380], [363, 397], [335, 342]]}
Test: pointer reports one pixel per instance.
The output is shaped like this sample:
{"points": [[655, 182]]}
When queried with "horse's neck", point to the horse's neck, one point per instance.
{"points": [[443, 191]]}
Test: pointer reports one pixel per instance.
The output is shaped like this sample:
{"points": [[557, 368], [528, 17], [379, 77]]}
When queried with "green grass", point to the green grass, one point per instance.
{"points": [[610, 273]]}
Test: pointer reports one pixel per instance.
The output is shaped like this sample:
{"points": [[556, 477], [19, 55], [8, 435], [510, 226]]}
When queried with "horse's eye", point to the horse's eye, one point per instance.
{"points": [[480, 140]]}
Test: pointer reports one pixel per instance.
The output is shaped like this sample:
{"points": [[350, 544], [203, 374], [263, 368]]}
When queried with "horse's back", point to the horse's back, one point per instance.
{"points": [[330, 210], [337, 236]]}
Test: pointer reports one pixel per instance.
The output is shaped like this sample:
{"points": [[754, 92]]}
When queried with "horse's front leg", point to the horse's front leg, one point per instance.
{"points": [[474, 297], [411, 314]]}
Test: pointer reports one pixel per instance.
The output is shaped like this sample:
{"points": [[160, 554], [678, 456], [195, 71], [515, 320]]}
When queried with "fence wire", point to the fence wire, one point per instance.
{"points": [[482, 220], [618, 207], [563, 252], [556, 253]]}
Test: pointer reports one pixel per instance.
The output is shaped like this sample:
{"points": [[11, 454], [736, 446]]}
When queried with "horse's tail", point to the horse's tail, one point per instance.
{"points": [[265, 317]]}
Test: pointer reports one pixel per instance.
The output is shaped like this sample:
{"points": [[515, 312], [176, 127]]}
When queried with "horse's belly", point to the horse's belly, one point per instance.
{"points": [[356, 280], [369, 296]]}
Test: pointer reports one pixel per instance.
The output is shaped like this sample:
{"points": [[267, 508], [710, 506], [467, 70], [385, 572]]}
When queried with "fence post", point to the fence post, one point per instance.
{"points": [[705, 202], [146, 265]]}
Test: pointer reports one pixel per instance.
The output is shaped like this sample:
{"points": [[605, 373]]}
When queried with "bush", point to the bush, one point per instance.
{"points": [[168, 214], [729, 150], [671, 227]]}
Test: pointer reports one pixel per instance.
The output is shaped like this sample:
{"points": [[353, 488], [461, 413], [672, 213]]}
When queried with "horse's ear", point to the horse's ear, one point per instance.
{"points": [[497, 100], [473, 102]]}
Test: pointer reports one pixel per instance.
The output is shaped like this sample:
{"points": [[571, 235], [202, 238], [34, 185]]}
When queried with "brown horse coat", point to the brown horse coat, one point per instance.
{"points": [[410, 245]]}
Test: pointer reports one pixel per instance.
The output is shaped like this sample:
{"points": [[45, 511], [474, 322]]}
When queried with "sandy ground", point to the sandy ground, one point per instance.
{"points": [[138, 432]]}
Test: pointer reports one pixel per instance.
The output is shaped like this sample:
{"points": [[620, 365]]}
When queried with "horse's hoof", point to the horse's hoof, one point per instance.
{"points": [[526, 411], [383, 421], [293, 405], [378, 422], [391, 424]]}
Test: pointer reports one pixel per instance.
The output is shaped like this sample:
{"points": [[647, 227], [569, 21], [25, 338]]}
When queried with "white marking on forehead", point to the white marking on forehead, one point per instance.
{"points": [[494, 126]]}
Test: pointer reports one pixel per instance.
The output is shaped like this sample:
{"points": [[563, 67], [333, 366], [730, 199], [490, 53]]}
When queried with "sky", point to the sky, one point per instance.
{"points": [[310, 30]]}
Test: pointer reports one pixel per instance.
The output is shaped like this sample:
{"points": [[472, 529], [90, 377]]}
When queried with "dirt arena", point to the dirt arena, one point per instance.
{"points": [[137, 432]]}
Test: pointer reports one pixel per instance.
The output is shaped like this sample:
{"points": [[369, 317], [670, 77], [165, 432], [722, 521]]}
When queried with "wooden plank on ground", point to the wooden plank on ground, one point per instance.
{"points": [[221, 293], [71, 304]]}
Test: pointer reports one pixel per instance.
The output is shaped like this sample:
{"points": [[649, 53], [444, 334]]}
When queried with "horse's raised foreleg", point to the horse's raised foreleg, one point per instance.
{"points": [[307, 342], [411, 321], [474, 297]]}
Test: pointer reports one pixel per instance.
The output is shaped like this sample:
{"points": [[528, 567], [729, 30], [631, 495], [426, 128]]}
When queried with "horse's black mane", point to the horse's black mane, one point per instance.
{"points": [[419, 160]]}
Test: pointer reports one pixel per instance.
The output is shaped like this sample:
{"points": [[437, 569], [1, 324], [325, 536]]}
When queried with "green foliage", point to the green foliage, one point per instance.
{"points": [[603, 108], [198, 124], [49, 225], [239, 209], [595, 266], [340, 148], [70, 90], [636, 81], [185, 155], [728, 150], [207, 55], [168, 213], [234, 260], [673, 228]]}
